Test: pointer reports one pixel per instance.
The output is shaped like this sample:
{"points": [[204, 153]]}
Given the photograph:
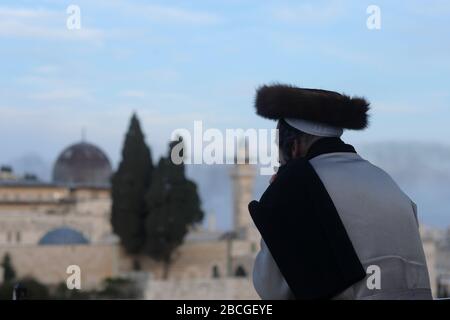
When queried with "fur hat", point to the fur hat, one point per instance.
{"points": [[318, 106]]}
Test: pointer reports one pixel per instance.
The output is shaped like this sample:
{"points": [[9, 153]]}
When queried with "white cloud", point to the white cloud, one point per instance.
{"points": [[18, 22], [63, 94], [50, 84], [308, 13], [174, 14], [47, 69], [406, 108], [57, 125], [164, 14], [132, 94], [17, 13], [163, 74], [41, 23], [434, 8], [396, 109]]}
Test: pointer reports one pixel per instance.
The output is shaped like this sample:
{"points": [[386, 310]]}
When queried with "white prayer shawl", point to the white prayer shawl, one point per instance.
{"points": [[381, 222]]}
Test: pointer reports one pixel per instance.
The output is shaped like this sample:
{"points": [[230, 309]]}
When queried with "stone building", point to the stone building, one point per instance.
{"points": [[47, 226], [436, 243]]}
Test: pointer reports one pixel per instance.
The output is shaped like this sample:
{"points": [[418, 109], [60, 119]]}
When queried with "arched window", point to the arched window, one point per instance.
{"points": [[240, 272], [215, 272], [136, 265]]}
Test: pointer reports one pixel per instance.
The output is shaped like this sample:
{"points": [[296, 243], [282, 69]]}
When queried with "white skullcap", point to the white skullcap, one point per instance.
{"points": [[315, 128]]}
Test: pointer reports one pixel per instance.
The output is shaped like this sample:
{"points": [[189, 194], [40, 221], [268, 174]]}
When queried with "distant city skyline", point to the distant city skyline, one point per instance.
{"points": [[422, 170]]}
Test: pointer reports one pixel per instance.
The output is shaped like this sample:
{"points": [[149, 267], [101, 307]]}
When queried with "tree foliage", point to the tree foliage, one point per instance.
{"points": [[129, 185], [173, 206], [9, 274], [34, 289], [153, 208]]}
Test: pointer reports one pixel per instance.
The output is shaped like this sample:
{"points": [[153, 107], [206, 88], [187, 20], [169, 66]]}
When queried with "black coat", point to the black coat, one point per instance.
{"points": [[303, 231]]}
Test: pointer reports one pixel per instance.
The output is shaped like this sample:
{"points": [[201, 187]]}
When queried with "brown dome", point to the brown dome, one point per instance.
{"points": [[82, 164]]}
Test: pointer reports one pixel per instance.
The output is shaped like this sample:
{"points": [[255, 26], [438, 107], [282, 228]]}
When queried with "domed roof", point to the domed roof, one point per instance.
{"points": [[82, 164], [63, 236]]}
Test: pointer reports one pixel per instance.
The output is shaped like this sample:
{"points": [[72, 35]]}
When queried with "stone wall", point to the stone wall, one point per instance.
{"points": [[197, 289], [48, 264], [26, 220], [197, 260]]}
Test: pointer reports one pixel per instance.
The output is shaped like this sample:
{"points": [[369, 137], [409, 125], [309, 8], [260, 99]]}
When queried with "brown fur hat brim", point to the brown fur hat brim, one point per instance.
{"points": [[327, 107]]}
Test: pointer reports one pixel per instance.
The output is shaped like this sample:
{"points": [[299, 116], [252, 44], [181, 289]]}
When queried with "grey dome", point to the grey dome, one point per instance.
{"points": [[82, 164]]}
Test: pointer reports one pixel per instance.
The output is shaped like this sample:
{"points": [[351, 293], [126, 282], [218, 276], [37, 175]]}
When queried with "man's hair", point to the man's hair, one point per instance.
{"points": [[287, 135]]}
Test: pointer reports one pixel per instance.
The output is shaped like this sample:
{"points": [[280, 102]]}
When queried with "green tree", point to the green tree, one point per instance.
{"points": [[34, 289], [61, 292], [117, 288], [129, 186], [9, 274], [173, 206], [111, 288]]}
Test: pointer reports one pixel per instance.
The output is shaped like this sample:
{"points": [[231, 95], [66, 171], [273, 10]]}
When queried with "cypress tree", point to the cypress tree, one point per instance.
{"points": [[173, 206], [9, 273], [129, 185]]}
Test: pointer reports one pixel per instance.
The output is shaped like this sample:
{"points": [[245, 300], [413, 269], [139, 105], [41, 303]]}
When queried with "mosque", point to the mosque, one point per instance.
{"points": [[72, 209], [47, 226]]}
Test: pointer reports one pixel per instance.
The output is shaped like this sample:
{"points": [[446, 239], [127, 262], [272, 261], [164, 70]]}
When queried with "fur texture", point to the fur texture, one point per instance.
{"points": [[328, 107]]}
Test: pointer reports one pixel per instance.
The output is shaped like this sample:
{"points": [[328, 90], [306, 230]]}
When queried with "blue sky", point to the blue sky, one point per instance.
{"points": [[174, 62]]}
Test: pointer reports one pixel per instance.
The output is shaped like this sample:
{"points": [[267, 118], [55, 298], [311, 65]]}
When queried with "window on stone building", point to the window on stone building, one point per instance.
{"points": [[240, 272], [18, 237], [9, 237], [215, 272], [136, 265]]}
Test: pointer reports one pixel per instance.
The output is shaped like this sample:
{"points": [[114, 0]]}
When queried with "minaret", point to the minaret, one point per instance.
{"points": [[83, 134], [212, 222], [243, 176]]}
